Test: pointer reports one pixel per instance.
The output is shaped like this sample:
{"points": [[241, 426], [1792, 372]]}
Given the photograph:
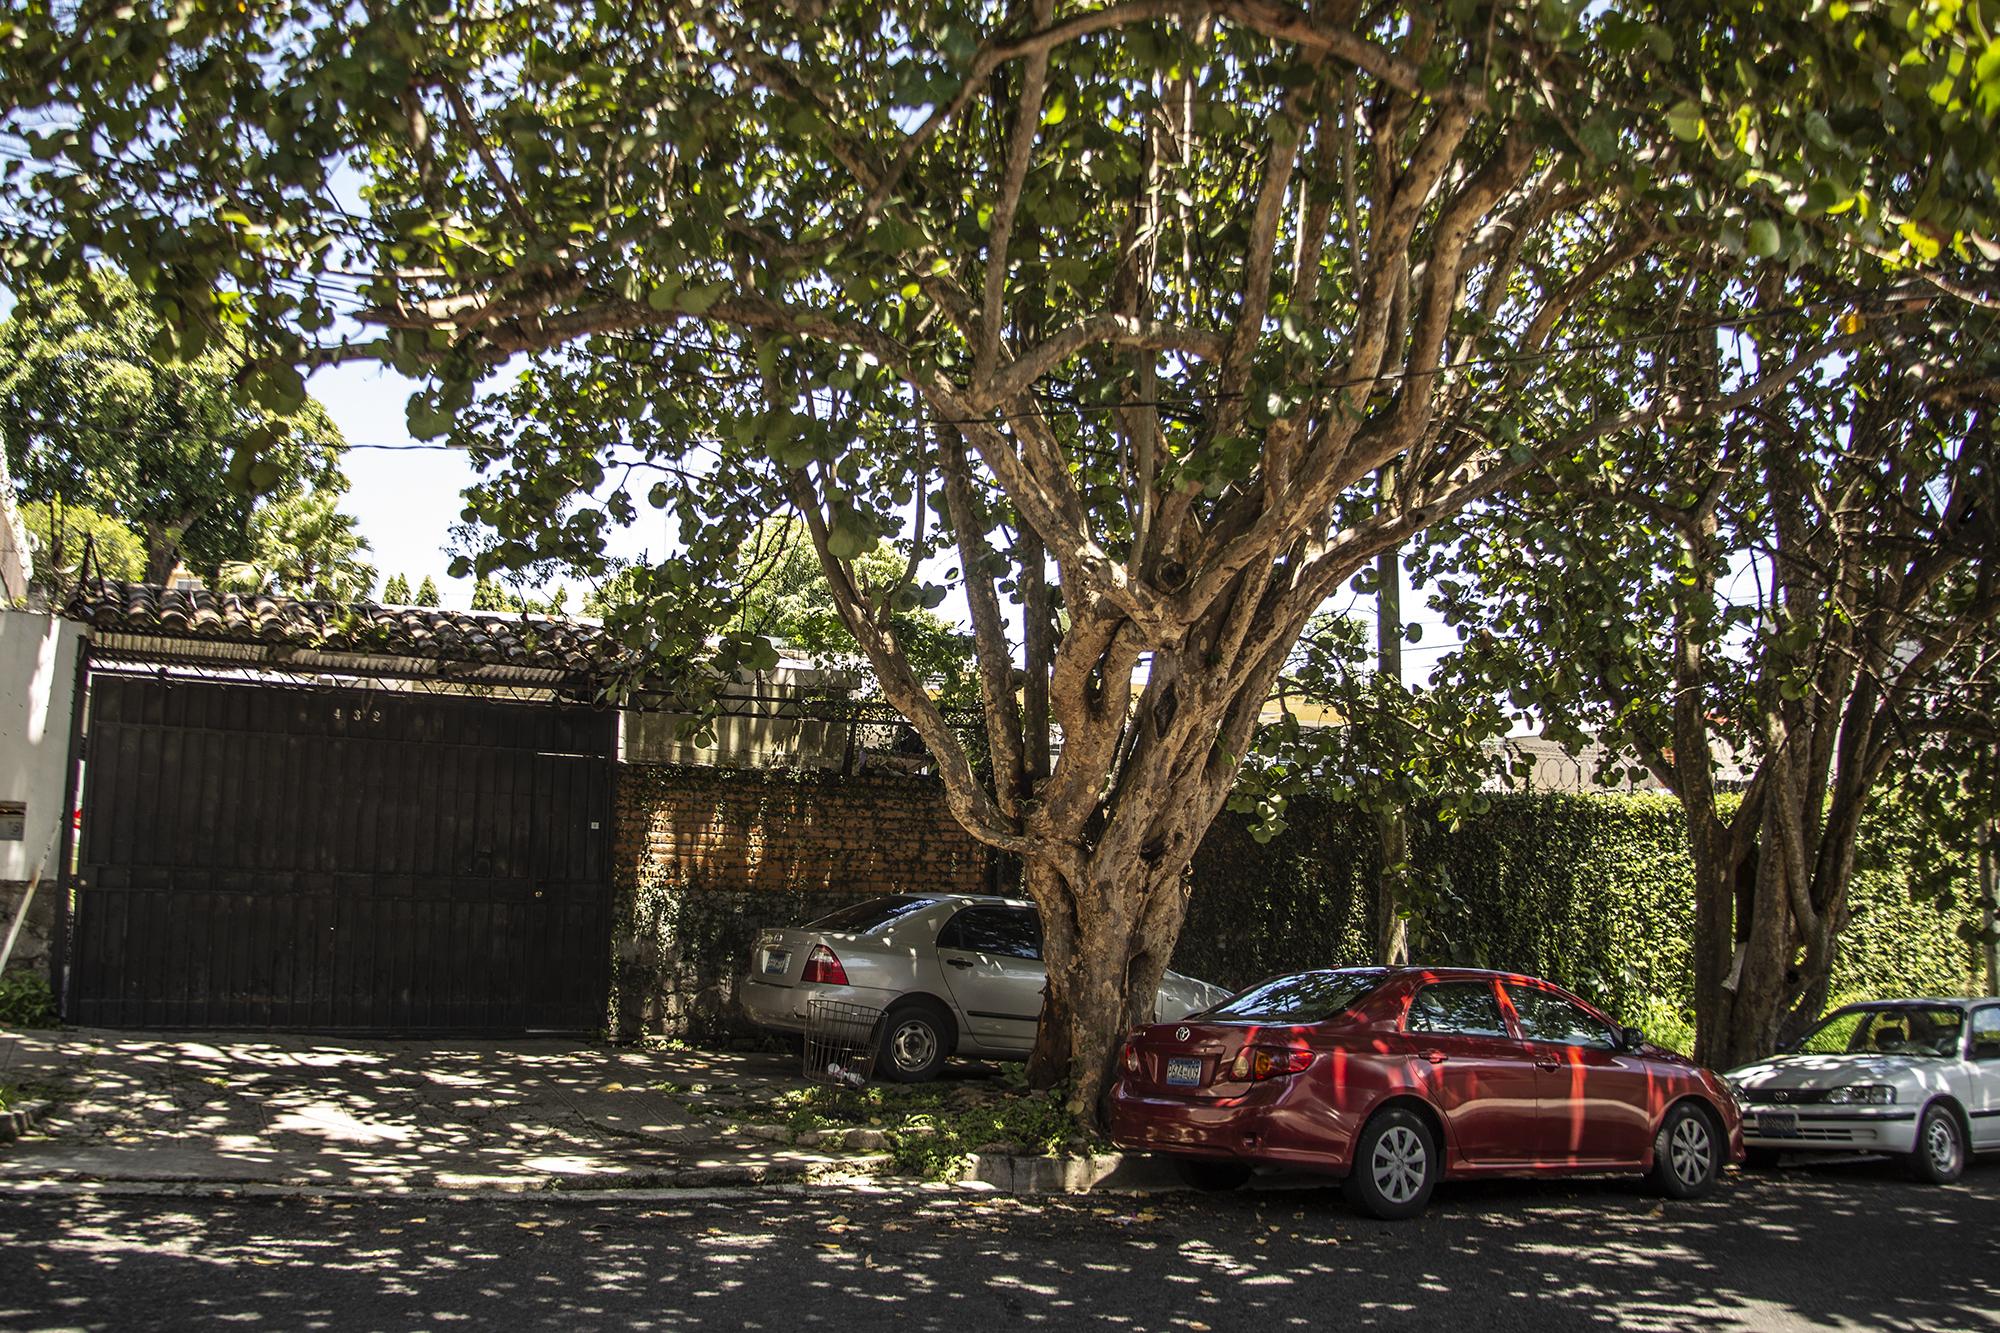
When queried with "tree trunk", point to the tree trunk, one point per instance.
{"points": [[1106, 943], [1392, 933], [162, 552]]}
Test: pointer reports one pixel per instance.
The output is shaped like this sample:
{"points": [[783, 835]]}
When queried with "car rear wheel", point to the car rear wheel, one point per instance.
{"points": [[916, 1038], [1939, 1157], [1687, 1153], [1395, 1166], [1204, 1174]]}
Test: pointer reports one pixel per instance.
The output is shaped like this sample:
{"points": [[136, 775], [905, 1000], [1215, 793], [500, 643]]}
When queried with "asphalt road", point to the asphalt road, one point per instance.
{"points": [[1850, 1245]]}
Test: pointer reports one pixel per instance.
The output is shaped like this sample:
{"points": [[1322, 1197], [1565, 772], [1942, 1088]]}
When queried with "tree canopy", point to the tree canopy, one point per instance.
{"points": [[1121, 308], [98, 411], [1798, 596]]}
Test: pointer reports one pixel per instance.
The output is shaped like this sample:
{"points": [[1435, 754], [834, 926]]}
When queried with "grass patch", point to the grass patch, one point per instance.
{"points": [[933, 1129], [10, 1096]]}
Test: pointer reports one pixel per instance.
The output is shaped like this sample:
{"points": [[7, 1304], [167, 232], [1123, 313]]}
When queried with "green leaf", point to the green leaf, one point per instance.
{"points": [[700, 300], [1684, 119], [1765, 239], [849, 537]]}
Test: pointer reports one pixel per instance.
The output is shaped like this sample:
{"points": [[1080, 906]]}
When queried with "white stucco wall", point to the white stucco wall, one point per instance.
{"points": [[37, 680]]}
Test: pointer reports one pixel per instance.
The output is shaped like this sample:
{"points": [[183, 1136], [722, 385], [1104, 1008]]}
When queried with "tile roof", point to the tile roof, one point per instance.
{"points": [[286, 626]]}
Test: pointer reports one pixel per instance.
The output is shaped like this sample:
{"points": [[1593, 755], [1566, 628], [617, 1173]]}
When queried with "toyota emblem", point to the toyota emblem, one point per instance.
{"points": [[1182, 1034]]}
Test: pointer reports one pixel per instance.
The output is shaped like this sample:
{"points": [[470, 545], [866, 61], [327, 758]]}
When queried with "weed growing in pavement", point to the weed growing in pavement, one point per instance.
{"points": [[10, 1094], [26, 1001], [930, 1129]]}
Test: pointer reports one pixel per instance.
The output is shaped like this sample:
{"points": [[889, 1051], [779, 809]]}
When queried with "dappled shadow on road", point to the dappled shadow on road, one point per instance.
{"points": [[369, 1113], [1851, 1246]]}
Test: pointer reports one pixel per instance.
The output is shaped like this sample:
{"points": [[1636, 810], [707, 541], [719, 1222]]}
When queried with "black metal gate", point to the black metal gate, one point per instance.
{"points": [[260, 856]]}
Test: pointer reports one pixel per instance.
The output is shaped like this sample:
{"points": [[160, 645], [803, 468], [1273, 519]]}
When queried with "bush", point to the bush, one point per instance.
{"points": [[26, 1001], [1595, 893]]}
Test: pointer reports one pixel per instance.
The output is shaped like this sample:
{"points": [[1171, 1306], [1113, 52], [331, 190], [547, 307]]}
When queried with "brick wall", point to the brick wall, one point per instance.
{"points": [[705, 857]]}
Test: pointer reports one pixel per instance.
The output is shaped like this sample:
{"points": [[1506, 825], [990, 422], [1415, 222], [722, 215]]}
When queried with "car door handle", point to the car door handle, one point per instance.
{"points": [[958, 962], [1436, 1057], [1547, 1063]]}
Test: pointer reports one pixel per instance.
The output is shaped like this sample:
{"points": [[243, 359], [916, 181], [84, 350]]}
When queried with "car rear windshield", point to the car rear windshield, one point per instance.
{"points": [[1309, 997], [865, 918]]}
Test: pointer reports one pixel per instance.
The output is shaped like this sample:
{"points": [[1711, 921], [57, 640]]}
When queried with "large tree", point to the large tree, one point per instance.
{"points": [[100, 410], [1798, 595], [1124, 305]]}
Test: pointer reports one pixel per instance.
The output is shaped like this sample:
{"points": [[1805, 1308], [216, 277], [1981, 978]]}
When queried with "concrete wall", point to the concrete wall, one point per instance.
{"points": [[37, 682]]}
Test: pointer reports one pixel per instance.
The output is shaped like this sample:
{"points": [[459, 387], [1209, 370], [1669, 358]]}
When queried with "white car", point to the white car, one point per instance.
{"points": [[1916, 1078], [954, 975]]}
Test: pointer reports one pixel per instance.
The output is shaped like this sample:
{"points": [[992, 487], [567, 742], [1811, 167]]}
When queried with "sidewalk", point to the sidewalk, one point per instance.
{"points": [[338, 1113]]}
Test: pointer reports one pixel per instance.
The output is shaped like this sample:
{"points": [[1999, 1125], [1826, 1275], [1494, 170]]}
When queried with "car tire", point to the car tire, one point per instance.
{"points": [[1762, 1159], [1395, 1166], [1211, 1176], [1687, 1153], [917, 1038], [1939, 1157]]}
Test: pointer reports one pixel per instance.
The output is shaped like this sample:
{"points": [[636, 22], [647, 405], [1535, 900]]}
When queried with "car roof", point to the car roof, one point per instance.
{"points": [[1947, 1001], [962, 899]]}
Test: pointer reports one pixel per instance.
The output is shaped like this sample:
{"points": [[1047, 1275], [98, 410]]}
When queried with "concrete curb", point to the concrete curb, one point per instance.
{"points": [[15, 1123]]}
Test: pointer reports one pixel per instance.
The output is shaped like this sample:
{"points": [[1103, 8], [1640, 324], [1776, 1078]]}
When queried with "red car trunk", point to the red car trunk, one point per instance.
{"points": [[1211, 1061]]}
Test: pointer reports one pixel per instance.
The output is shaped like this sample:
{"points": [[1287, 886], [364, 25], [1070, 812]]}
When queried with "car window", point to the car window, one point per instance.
{"points": [[865, 918], [1010, 932], [1308, 997], [1546, 1016], [1460, 1008], [1909, 1029], [1986, 1034]]}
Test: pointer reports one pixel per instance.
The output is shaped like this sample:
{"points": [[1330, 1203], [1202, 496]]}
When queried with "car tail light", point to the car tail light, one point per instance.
{"points": [[823, 966], [1254, 1064], [1131, 1056]]}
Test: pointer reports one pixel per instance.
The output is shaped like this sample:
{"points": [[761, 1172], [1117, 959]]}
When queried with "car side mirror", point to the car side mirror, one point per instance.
{"points": [[1630, 1039]]}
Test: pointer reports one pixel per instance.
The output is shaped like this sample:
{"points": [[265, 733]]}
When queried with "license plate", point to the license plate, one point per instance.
{"points": [[776, 961], [1777, 1123], [1183, 1071]]}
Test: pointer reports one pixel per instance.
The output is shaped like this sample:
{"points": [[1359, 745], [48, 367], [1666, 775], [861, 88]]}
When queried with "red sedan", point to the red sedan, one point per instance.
{"points": [[1394, 1078]]}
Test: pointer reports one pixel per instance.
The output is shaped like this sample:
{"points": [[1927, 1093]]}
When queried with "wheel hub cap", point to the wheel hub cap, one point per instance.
{"points": [[913, 1046], [1398, 1164], [1943, 1145], [1690, 1151]]}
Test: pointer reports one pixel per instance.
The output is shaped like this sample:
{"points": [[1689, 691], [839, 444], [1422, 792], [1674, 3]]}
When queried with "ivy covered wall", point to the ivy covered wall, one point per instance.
{"points": [[1592, 892]]}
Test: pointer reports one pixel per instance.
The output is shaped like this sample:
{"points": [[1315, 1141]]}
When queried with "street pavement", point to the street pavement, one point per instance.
{"points": [[1849, 1246]]}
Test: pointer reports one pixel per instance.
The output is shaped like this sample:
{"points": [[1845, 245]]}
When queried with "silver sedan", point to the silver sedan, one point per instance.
{"points": [[955, 974], [1916, 1078]]}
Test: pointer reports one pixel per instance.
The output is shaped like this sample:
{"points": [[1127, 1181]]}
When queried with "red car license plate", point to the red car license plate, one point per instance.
{"points": [[1183, 1071]]}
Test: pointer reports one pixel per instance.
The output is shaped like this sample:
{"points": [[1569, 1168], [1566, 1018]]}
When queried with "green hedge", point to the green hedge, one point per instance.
{"points": [[1592, 892]]}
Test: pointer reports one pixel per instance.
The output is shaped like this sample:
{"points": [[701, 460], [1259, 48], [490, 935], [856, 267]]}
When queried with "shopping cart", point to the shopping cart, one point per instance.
{"points": [[841, 1040]]}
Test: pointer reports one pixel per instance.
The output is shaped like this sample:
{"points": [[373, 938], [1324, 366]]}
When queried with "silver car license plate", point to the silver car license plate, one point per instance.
{"points": [[1183, 1071], [776, 961], [1778, 1123]]}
